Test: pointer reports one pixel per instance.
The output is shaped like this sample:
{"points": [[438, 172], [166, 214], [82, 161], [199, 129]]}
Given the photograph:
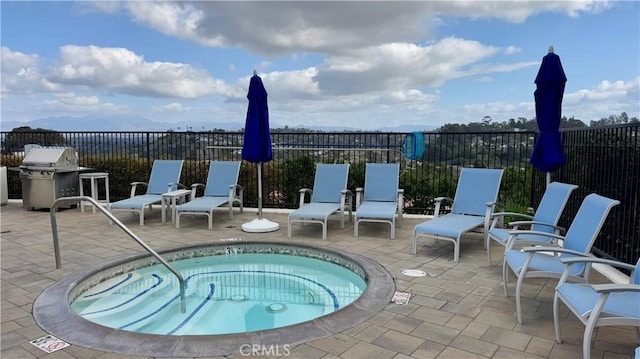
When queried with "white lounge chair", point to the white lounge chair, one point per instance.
{"points": [[545, 219], [329, 195], [598, 305], [165, 177], [380, 200], [546, 261], [472, 208], [221, 188]]}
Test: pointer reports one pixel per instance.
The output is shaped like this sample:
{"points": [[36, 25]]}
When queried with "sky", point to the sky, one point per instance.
{"points": [[361, 64]]}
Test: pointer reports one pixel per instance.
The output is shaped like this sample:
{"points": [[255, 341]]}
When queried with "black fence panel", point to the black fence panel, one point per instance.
{"points": [[603, 160], [606, 160]]}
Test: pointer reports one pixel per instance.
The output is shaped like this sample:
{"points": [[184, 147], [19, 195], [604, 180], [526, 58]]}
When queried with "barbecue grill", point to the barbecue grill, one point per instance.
{"points": [[47, 174]]}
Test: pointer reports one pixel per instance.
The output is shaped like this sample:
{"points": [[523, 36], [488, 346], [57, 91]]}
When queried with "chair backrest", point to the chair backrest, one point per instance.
{"points": [[330, 180], [381, 182], [635, 275], [164, 172], [222, 174], [476, 187], [587, 223], [552, 204]]}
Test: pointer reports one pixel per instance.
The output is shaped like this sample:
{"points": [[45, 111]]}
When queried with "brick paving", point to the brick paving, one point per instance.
{"points": [[457, 311]]}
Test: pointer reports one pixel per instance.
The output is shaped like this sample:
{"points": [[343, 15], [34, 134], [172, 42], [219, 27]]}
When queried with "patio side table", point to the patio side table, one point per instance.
{"points": [[93, 177], [171, 199]]}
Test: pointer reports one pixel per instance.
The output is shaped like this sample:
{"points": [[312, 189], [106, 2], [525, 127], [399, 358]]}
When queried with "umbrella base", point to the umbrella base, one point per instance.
{"points": [[260, 226]]}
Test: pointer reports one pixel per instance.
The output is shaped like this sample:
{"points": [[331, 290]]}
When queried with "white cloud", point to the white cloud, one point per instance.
{"points": [[69, 102], [121, 70], [603, 100], [21, 73], [276, 28], [171, 107]]}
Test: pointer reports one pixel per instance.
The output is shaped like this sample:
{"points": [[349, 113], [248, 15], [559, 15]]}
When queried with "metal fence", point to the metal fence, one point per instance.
{"points": [[606, 160], [602, 160]]}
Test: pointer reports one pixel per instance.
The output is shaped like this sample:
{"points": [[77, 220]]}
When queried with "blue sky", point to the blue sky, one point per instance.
{"points": [[355, 64]]}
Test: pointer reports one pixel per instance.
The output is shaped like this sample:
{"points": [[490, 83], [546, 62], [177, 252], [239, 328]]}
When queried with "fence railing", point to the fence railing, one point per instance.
{"points": [[603, 160]]}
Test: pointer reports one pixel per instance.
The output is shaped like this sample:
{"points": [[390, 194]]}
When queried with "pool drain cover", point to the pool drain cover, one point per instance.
{"points": [[276, 308], [414, 272]]}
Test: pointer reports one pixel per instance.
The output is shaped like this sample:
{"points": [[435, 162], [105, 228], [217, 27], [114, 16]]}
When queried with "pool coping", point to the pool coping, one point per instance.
{"points": [[52, 312]]}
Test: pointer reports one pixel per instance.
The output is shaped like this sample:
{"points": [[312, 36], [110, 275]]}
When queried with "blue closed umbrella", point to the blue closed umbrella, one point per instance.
{"points": [[256, 147], [548, 152], [257, 139]]}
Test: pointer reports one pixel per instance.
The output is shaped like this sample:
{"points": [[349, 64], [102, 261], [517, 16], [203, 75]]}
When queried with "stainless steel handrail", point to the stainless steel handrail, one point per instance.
{"points": [[56, 244]]}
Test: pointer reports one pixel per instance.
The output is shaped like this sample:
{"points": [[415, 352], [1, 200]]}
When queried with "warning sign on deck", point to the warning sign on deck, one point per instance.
{"points": [[401, 298], [49, 343]]}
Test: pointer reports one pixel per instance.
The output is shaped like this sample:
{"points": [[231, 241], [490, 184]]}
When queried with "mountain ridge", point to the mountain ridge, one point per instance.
{"points": [[99, 123]]}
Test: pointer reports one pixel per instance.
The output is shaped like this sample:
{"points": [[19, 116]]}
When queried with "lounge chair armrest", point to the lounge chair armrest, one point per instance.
{"points": [[512, 214], [438, 201], [194, 189], [235, 192], [517, 224], [134, 186], [359, 192], [347, 193], [589, 260], [592, 260], [346, 199], [498, 218], [493, 205], [551, 236], [303, 193], [513, 237], [535, 249], [171, 186], [612, 287]]}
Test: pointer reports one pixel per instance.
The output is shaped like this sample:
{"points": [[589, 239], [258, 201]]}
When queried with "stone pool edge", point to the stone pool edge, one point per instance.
{"points": [[52, 313]]}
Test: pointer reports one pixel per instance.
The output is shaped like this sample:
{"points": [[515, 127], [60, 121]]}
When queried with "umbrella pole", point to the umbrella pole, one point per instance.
{"points": [[259, 190], [260, 225], [548, 178]]}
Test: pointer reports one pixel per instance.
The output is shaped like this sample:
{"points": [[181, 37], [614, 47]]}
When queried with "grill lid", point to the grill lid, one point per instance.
{"points": [[51, 157]]}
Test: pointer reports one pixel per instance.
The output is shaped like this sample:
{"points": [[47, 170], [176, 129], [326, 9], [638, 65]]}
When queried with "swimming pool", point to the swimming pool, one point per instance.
{"points": [[353, 304]]}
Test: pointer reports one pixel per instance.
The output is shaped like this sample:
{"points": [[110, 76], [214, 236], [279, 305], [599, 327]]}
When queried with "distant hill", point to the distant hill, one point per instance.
{"points": [[112, 123], [135, 123]]}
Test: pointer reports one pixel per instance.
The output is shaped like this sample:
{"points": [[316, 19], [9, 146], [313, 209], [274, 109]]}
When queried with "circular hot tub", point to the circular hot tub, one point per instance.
{"points": [[238, 295]]}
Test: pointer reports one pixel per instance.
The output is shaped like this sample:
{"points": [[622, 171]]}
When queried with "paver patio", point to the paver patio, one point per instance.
{"points": [[457, 310]]}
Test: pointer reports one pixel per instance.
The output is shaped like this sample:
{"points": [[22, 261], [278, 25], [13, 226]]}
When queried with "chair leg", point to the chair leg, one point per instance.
{"points": [[355, 227], [505, 278], [556, 318], [414, 244], [324, 230], [289, 228], [488, 245], [210, 218], [518, 290], [456, 250], [588, 333], [178, 219], [393, 230]]}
